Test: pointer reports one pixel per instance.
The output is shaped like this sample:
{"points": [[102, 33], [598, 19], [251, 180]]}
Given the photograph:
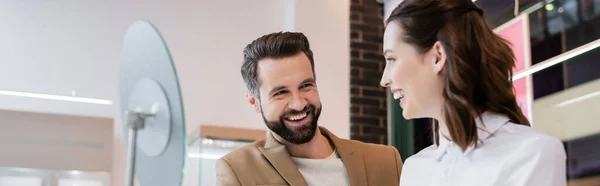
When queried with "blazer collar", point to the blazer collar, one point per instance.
{"points": [[277, 154], [352, 158]]}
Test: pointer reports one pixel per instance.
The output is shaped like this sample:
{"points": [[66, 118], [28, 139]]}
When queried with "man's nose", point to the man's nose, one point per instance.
{"points": [[298, 102]]}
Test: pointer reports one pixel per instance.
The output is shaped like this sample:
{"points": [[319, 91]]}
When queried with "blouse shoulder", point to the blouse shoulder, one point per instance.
{"points": [[532, 142]]}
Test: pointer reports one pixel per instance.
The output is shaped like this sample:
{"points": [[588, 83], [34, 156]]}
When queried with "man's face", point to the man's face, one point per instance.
{"points": [[289, 99]]}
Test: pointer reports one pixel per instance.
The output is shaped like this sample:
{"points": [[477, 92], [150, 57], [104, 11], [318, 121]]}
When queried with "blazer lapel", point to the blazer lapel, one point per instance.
{"points": [[281, 160], [353, 159]]}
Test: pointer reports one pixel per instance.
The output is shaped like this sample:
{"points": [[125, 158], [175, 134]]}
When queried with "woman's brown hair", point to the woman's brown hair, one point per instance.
{"points": [[478, 70]]}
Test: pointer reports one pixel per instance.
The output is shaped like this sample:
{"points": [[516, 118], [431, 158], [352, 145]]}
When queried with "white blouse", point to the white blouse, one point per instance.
{"points": [[507, 155]]}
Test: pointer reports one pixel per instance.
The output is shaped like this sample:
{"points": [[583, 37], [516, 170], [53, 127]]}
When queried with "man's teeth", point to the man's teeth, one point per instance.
{"points": [[398, 95], [298, 117]]}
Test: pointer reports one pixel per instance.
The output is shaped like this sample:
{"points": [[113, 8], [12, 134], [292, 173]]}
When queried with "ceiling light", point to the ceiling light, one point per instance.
{"points": [[56, 97], [549, 7], [578, 99], [557, 59]]}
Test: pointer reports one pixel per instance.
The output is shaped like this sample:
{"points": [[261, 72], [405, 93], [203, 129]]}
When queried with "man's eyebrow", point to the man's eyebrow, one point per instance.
{"points": [[309, 80], [277, 88]]}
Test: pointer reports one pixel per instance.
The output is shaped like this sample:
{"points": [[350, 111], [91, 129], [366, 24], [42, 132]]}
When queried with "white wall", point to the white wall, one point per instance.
{"points": [[327, 26], [55, 47]]}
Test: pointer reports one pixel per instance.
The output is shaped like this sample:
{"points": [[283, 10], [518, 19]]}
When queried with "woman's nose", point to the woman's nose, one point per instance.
{"points": [[385, 82]]}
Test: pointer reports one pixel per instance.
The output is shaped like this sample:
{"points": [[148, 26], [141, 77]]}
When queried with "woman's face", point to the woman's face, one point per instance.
{"points": [[413, 77]]}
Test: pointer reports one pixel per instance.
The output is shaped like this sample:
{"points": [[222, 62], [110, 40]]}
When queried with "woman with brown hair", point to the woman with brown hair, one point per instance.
{"points": [[444, 62]]}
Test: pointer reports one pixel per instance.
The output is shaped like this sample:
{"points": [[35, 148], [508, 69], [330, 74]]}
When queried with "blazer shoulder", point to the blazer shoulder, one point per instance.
{"points": [[383, 157], [244, 152], [372, 148], [231, 169], [367, 146]]}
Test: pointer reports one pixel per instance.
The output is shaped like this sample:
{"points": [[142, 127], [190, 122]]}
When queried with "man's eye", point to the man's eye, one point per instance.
{"points": [[306, 85], [279, 93]]}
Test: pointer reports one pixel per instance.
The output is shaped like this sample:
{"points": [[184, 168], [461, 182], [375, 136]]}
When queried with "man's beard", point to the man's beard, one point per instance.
{"points": [[297, 135]]}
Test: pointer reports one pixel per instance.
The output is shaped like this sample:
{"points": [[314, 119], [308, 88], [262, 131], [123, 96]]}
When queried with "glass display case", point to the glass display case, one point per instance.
{"points": [[14, 176], [202, 157]]}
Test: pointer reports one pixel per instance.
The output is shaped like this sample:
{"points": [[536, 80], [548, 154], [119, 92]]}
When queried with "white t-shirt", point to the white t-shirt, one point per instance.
{"points": [[508, 155], [323, 172]]}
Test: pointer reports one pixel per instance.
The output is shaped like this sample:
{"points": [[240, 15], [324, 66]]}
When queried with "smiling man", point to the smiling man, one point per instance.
{"points": [[278, 71]]}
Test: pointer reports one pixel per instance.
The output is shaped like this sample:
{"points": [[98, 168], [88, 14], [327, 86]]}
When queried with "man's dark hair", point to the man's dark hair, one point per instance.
{"points": [[275, 45]]}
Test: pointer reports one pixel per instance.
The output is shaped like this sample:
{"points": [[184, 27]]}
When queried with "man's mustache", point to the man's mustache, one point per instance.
{"points": [[296, 112]]}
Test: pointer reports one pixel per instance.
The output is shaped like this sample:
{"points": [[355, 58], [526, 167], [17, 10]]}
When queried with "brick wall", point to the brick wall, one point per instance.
{"points": [[368, 103]]}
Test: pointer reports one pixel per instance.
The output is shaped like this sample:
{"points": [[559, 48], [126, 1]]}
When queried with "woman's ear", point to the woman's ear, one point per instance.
{"points": [[439, 57]]}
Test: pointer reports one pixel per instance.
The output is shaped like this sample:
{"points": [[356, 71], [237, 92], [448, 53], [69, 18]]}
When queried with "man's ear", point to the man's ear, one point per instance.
{"points": [[253, 100], [439, 57]]}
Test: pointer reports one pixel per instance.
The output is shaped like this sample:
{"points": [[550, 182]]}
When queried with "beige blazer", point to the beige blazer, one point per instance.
{"points": [[267, 162]]}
